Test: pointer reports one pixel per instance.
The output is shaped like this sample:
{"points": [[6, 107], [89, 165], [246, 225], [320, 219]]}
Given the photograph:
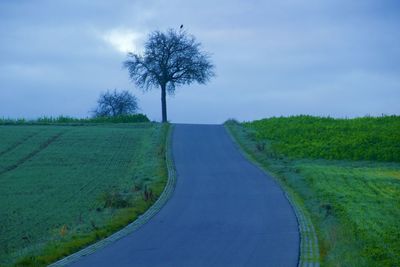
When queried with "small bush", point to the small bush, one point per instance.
{"points": [[116, 103], [115, 199]]}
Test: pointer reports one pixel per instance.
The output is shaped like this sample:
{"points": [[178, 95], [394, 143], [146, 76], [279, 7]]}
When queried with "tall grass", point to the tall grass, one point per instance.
{"points": [[71, 120], [367, 138]]}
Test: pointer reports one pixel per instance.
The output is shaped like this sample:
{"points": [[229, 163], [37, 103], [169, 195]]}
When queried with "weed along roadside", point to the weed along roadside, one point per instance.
{"points": [[99, 177], [344, 173]]}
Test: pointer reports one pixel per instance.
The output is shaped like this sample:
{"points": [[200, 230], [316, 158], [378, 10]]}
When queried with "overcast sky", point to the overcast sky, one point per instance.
{"points": [[339, 58]]}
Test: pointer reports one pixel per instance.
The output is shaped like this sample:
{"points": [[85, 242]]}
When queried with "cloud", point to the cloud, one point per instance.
{"points": [[272, 57], [124, 40]]}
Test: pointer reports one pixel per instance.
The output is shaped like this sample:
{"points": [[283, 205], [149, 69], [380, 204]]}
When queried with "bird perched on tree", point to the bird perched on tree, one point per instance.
{"points": [[181, 27]]}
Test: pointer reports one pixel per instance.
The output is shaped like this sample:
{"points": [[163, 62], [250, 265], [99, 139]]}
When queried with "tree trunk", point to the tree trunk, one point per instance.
{"points": [[164, 102]]}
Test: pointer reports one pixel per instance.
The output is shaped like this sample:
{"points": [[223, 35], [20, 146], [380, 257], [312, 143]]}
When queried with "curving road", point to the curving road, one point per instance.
{"points": [[224, 212]]}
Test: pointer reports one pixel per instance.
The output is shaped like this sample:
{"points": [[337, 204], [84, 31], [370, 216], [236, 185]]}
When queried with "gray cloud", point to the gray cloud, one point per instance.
{"points": [[336, 58]]}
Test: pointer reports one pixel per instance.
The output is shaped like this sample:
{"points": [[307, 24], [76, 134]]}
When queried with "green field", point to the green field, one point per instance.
{"points": [[341, 172], [63, 187], [366, 138]]}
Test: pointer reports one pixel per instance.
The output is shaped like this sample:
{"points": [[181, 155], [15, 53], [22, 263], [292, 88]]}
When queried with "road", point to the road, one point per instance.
{"points": [[224, 212]]}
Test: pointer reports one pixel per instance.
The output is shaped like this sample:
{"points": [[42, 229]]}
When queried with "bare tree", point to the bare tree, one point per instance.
{"points": [[114, 103], [170, 59]]}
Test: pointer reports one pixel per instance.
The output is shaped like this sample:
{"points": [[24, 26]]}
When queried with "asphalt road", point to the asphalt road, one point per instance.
{"points": [[224, 212]]}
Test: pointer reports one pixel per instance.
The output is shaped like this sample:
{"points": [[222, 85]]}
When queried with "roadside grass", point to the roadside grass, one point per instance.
{"points": [[354, 205], [65, 187], [364, 198]]}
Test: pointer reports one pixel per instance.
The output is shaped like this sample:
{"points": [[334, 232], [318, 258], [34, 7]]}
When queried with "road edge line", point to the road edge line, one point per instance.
{"points": [[141, 220]]}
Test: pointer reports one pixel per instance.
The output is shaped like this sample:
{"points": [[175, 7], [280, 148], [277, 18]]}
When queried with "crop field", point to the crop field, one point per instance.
{"points": [[63, 187], [354, 204], [367, 138]]}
